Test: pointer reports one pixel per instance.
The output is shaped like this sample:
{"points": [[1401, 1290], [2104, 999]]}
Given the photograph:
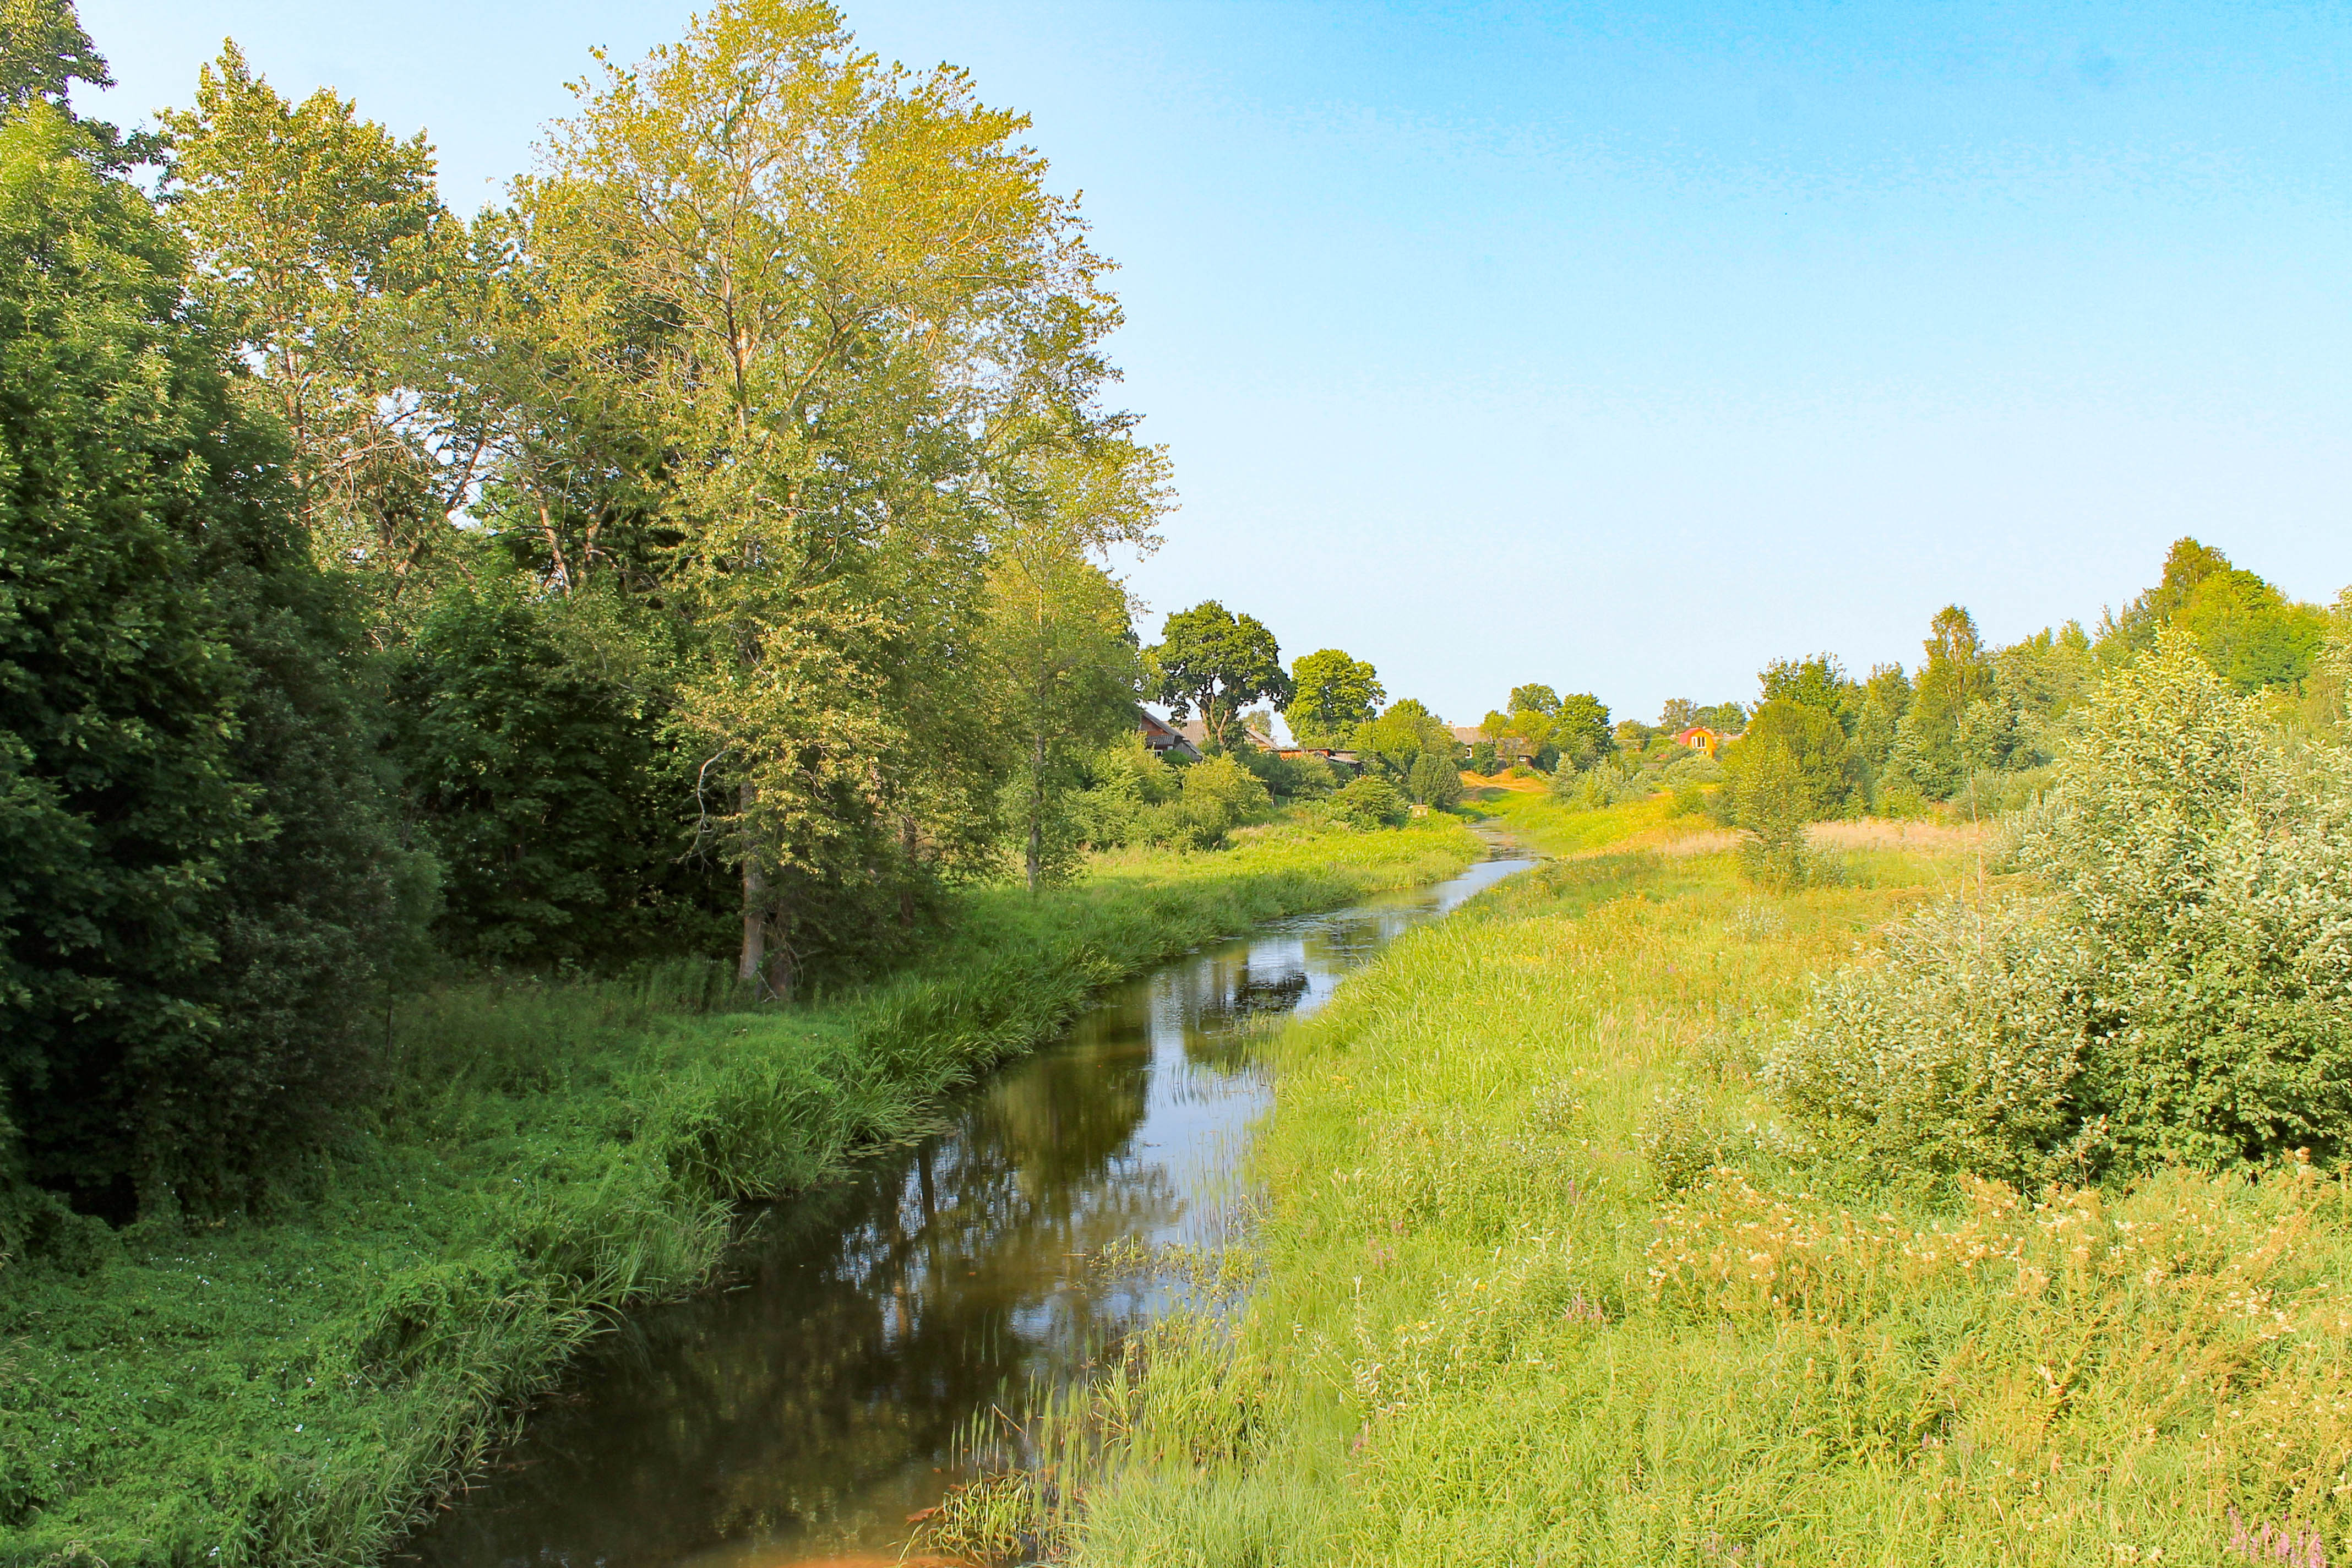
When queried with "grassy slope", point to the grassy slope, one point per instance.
{"points": [[1490, 1333], [287, 1392]]}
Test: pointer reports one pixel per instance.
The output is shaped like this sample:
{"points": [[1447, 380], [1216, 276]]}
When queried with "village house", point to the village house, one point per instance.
{"points": [[1166, 742]]}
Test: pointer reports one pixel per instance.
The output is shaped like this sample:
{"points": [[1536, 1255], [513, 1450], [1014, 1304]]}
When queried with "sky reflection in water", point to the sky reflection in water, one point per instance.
{"points": [[802, 1414]]}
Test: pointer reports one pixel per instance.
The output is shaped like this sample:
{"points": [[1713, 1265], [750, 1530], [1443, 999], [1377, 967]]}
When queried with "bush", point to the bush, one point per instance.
{"points": [[1125, 781], [1960, 1051], [1222, 786], [2185, 994], [1368, 802], [1434, 781], [1290, 778]]}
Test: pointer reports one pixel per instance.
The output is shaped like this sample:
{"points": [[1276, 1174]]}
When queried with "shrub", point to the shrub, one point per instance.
{"points": [[2186, 992], [1434, 781], [1370, 801], [1771, 802], [1222, 786], [1960, 1051], [2210, 869]]}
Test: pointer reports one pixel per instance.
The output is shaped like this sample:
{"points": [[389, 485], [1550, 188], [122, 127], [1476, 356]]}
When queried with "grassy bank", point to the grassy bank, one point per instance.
{"points": [[1544, 1278], [289, 1390]]}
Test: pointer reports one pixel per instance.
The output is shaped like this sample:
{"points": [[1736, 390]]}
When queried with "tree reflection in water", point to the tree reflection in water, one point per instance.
{"points": [[810, 1406]]}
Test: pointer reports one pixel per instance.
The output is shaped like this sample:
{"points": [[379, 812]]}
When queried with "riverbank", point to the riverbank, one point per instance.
{"points": [[1545, 1276], [289, 1390]]}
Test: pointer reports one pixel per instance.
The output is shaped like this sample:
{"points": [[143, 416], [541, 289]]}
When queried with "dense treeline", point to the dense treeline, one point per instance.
{"points": [[706, 551]]}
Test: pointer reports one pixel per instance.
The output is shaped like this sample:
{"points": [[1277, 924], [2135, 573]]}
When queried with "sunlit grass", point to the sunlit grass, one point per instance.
{"points": [[547, 1155], [1547, 1280]]}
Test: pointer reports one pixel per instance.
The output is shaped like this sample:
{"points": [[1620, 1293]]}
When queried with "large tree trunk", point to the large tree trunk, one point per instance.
{"points": [[906, 842], [755, 960], [1037, 814], [751, 968], [780, 973]]}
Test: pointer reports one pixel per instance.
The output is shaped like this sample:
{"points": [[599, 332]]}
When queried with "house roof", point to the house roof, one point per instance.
{"points": [[1198, 734]]}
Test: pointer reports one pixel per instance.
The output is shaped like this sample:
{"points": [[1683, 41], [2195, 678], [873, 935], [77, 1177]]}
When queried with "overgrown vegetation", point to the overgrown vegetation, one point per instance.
{"points": [[290, 1390], [1599, 1227]]}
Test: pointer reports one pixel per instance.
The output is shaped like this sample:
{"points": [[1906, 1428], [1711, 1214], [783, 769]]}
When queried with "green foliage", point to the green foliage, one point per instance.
{"points": [[1332, 693], [2182, 995], [1372, 802], [1960, 1051], [1793, 766], [43, 52], [196, 882], [1057, 635], [534, 762], [1211, 660], [1289, 778], [1434, 780], [1121, 781], [552, 1155], [1816, 683], [1535, 699], [2249, 633], [1396, 740], [1220, 795], [1581, 731]]}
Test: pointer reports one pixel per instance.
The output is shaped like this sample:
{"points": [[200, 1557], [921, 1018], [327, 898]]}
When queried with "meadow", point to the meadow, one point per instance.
{"points": [[545, 1156], [1542, 1275]]}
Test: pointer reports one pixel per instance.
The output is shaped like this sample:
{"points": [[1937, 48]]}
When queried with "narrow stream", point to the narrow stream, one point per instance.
{"points": [[801, 1415]]}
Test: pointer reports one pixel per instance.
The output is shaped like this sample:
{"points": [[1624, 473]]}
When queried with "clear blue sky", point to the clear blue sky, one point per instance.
{"points": [[1616, 348]]}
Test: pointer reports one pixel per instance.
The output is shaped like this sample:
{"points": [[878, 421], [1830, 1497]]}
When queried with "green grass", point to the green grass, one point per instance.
{"points": [[290, 1390], [1543, 1279]]}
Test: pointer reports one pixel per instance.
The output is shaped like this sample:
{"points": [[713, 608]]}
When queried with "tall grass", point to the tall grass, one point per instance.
{"points": [[547, 1155], [1547, 1281]]}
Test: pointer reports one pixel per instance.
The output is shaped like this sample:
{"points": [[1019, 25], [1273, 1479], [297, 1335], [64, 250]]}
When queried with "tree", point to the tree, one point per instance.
{"points": [[1333, 693], [1816, 683], [1216, 663], [43, 52], [1397, 738], [1063, 653], [529, 749], [1435, 779], [1581, 731], [323, 246], [1533, 699], [2249, 633], [1930, 749], [837, 297], [1792, 765], [197, 882]]}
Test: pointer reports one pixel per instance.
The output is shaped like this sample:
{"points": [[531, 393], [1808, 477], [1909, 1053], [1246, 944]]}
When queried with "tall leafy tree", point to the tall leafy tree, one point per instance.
{"points": [[1581, 731], [1212, 661], [1058, 638], [196, 882], [321, 244], [1536, 699], [1333, 692], [1932, 743], [1399, 738], [822, 286]]}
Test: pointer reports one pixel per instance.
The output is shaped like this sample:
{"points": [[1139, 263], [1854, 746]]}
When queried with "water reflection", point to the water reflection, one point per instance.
{"points": [[804, 1413]]}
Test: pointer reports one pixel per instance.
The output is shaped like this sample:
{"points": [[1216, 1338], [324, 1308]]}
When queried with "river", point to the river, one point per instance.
{"points": [[802, 1411]]}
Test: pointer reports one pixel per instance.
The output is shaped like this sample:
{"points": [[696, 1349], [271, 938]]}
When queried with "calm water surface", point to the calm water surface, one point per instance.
{"points": [[802, 1414]]}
